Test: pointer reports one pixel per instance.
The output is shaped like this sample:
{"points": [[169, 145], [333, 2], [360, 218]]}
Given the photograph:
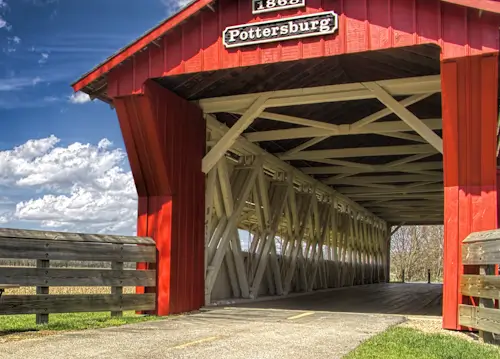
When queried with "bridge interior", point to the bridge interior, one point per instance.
{"points": [[316, 159], [393, 172]]}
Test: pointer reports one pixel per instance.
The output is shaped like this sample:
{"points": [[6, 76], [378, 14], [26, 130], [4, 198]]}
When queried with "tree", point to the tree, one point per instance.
{"points": [[416, 249]]}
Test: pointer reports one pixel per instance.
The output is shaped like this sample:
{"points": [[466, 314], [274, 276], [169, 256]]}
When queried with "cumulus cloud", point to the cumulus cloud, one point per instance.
{"points": [[79, 98], [78, 187]]}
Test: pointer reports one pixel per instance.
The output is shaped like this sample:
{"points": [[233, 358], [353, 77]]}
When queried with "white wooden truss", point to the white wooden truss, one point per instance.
{"points": [[307, 234], [304, 235], [417, 178]]}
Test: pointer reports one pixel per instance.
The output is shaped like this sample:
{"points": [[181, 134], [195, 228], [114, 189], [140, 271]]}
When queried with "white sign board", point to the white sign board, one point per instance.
{"points": [[321, 23], [261, 6]]}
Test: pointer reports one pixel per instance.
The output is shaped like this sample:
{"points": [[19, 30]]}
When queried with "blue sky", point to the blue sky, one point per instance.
{"points": [[62, 161]]}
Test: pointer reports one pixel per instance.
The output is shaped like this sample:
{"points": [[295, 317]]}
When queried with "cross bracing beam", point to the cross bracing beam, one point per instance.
{"points": [[361, 152], [331, 93], [339, 130], [397, 189], [359, 181], [421, 166]]}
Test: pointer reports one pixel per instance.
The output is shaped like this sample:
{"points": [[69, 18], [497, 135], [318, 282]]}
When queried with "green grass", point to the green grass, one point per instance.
{"points": [[10, 324], [406, 343]]}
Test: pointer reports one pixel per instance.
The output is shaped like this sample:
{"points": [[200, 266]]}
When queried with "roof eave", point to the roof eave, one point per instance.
{"points": [[154, 34]]}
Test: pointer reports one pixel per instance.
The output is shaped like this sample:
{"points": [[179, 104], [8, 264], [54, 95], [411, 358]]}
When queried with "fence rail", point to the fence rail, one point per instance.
{"points": [[481, 249], [44, 246]]}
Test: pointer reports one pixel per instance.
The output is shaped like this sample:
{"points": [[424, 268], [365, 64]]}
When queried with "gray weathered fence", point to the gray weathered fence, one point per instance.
{"points": [[44, 246], [481, 249]]}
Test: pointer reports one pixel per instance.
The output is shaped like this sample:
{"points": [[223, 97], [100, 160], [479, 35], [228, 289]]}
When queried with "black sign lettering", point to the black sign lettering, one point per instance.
{"points": [[322, 23], [260, 6]]}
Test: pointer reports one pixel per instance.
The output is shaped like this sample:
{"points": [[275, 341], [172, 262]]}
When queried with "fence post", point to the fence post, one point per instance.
{"points": [[403, 276], [428, 276], [117, 290], [486, 303], [42, 318]]}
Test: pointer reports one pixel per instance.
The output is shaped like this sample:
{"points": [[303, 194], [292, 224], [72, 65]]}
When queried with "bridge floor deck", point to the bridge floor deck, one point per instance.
{"points": [[419, 299]]}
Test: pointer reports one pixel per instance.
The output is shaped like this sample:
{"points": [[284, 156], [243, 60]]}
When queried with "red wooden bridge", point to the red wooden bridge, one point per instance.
{"points": [[314, 125]]}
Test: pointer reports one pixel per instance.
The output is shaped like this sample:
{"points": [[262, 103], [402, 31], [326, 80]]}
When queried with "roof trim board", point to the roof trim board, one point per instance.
{"points": [[139, 44]]}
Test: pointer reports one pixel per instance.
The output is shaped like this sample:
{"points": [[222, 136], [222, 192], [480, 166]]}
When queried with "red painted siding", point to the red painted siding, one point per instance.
{"points": [[165, 140], [196, 44], [469, 100]]}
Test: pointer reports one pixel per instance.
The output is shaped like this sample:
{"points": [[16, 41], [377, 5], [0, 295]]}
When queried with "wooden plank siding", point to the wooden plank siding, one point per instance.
{"points": [[39, 304], [484, 286], [73, 237], [44, 247], [20, 248], [68, 277], [364, 25], [481, 248], [480, 318]]}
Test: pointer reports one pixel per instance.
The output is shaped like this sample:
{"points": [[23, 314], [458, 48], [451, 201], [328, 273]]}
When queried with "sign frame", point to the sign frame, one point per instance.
{"points": [[282, 21], [301, 3]]}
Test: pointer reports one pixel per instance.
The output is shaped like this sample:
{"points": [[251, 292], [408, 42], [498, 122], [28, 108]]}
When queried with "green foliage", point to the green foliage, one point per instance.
{"points": [[75, 321], [406, 343]]}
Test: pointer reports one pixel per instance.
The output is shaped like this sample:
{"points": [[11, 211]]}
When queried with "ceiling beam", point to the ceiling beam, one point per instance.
{"points": [[421, 166], [337, 130], [399, 189], [404, 136], [342, 92], [400, 196], [365, 121], [360, 152], [355, 181], [409, 118]]}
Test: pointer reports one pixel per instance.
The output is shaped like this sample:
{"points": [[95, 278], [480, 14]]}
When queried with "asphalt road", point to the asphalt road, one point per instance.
{"points": [[220, 333]]}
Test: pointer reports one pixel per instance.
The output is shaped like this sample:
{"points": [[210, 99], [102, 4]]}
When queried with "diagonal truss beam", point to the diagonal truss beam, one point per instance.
{"points": [[409, 118], [230, 136]]}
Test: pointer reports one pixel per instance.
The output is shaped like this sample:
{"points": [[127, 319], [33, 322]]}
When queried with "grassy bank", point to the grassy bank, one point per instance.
{"points": [[10, 324], [408, 343]]}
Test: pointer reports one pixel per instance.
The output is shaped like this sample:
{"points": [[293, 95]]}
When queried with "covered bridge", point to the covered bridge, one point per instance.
{"points": [[315, 125]]}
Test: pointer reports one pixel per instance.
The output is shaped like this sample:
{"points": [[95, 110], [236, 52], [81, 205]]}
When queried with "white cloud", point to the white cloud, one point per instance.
{"points": [[3, 22], [18, 83], [15, 39], [79, 187], [79, 98], [44, 58], [175, 5]]}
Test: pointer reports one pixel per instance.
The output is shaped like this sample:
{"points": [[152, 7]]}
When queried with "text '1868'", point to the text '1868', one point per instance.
{"points": [[260, 6], [322, 23]]}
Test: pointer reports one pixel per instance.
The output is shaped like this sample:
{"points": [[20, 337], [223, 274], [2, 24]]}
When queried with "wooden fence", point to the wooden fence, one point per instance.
{"points": [[482, 249], [45, 247]]}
